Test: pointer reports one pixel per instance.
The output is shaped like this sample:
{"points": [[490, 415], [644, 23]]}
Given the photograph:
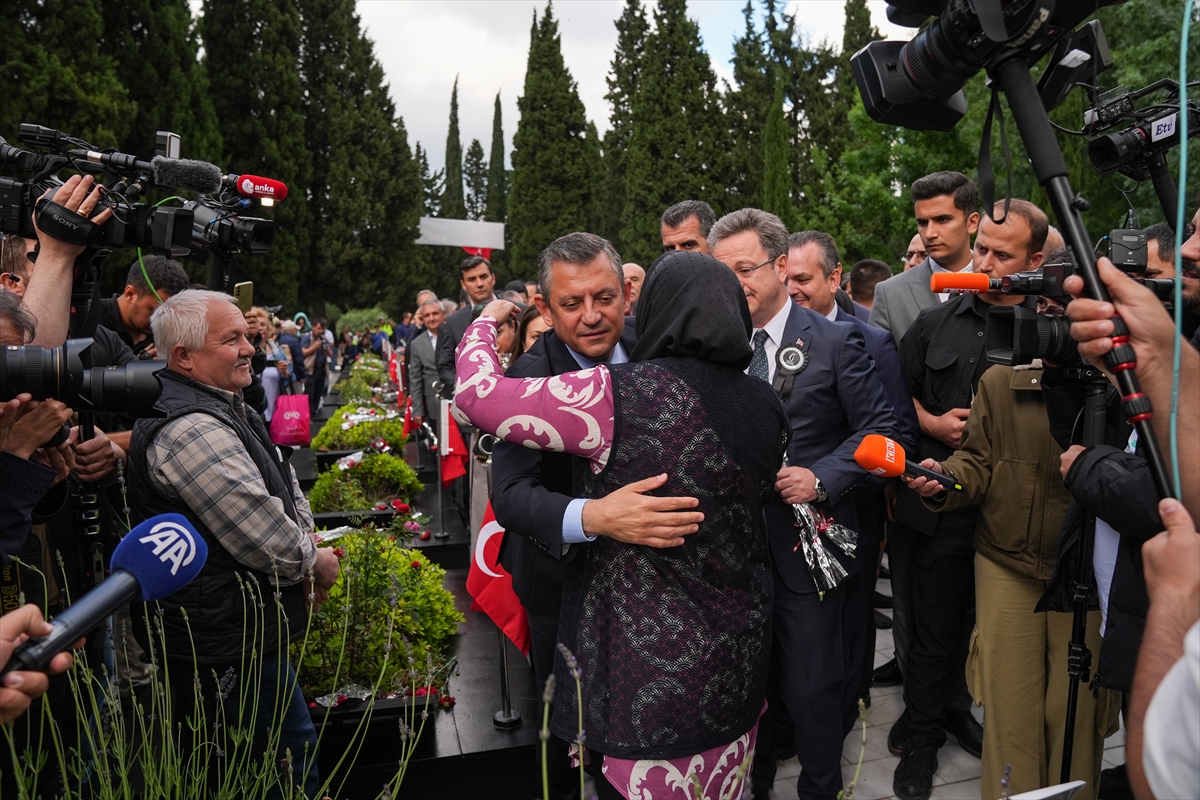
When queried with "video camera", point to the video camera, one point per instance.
{"points": [[918, 84], [1139, 151], [134, 224], [59, 373]]}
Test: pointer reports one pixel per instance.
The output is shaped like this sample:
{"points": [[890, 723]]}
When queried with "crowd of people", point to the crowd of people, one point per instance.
{"points": [[648, 513], [668, 435]]}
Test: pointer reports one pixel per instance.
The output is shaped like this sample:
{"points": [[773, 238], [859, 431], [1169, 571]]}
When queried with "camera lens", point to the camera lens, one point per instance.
{"points": [[131, 390], [30, 369], [1114, 150]]}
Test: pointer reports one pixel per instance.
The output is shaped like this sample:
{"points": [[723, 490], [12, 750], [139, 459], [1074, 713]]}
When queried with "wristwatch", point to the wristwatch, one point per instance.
{"points": [[822, 495]]}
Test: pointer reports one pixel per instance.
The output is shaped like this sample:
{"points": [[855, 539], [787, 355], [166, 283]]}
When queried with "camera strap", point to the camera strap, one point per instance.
{"points": [[987, 176], [56, 221]]}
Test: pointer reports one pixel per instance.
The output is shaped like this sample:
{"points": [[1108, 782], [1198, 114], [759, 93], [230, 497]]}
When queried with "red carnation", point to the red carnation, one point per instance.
{"points": [[339, 552], [416, 565], [425, 536], [446, 701]]}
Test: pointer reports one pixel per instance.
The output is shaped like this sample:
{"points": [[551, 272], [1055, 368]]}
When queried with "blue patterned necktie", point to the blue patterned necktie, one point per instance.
{"points": [[759, 367]]}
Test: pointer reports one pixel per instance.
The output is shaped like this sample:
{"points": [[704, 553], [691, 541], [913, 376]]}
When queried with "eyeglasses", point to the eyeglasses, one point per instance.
{"points": [[911, 253], [746, 272]]}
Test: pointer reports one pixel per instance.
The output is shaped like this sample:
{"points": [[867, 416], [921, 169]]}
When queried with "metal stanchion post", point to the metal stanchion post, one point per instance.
{"points": [[507, 716]]}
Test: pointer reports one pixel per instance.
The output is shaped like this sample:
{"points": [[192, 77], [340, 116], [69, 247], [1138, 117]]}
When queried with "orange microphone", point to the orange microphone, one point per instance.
{"points": [[880, 455], [972, 282]]}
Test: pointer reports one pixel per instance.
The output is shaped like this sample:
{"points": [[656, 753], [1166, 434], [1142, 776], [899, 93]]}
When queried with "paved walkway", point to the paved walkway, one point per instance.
{"points": [[957, 777]]}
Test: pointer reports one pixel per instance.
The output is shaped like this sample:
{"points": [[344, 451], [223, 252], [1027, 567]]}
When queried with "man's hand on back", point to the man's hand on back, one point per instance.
{"points": [[630, 515], [325, 573]]}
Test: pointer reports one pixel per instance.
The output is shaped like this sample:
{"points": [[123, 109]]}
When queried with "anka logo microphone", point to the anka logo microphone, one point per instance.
{"points": [[155, 560], [172, 543], [258, 186]]}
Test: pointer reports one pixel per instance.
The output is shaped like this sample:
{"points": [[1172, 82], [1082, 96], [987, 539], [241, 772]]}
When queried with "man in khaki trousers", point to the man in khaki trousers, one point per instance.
{"points": [[1008, 464]]}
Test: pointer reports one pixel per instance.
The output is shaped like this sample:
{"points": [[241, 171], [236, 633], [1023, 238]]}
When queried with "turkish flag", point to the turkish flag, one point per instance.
{"points": [[490, 585], [454, 454], [408, 419], [393, 374]]}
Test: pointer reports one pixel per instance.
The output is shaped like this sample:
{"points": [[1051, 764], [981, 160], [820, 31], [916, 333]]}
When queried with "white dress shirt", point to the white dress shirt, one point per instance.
{"points": [[944, 296], [774, 330]]}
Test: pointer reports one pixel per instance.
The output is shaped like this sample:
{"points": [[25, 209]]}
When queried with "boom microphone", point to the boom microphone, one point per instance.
{"points": [[154, 560], [880, 455], [200, 177], [257, 186], [972, 282]]}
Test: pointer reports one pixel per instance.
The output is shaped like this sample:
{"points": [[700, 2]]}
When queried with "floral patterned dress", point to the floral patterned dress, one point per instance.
{"points": [[672, 643]]}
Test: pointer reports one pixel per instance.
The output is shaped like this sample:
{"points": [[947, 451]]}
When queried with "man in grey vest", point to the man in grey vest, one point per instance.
{"points": [[212, 460]]}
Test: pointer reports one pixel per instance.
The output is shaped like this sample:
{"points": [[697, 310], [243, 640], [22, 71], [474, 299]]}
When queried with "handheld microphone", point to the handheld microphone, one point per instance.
{"points": [[200, 177], [971, 282], [880, 455], [257, 186], [154, 560]]}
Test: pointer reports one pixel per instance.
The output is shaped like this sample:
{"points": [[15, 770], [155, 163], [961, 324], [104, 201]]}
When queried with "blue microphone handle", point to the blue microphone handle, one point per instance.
{"points": [[73, 623]]}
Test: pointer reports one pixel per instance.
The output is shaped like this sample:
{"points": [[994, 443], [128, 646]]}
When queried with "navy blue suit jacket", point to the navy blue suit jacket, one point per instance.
{"points": [[531, 489], [836, 401], [882, 349]]}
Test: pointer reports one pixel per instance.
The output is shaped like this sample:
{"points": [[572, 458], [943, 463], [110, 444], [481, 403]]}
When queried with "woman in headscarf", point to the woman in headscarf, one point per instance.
{"points": [[670, 645]]}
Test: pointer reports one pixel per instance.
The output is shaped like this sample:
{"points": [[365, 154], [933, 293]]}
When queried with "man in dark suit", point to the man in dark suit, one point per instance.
{"points": [[945, 205], [813, 275], [833, 401], [478, 280], [582, 295]]}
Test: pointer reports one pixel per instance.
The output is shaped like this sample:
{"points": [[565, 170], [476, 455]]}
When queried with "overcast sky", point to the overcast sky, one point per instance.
{"points": [[423, 44]]}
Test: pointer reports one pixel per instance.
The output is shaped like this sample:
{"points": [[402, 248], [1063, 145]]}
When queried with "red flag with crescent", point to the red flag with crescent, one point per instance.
{"points": [[490, 585]]}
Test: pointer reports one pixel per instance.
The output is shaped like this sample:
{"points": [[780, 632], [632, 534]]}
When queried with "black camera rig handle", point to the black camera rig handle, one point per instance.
{"points": [[1013, 78]]}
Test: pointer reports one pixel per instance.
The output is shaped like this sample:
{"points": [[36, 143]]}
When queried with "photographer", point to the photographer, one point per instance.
{"points": [[48, 295], [150, 281]]}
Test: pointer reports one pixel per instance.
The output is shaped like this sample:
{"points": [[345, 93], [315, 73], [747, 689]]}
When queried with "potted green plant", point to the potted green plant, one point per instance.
{"points": [[377, 663], [355, 427], [364, 488]]}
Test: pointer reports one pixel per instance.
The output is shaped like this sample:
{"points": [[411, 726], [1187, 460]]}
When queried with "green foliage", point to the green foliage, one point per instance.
{"points": [[496, 204], [250, 49], [475, 175], [776, 192], [332, 436], [361, 319], [354, 389], [157, 54], [370, 369], [551, 194], [380, 478], [56, 72], [623, 77], [400, 615], [364, 198], [678, 148], [453, 205]]}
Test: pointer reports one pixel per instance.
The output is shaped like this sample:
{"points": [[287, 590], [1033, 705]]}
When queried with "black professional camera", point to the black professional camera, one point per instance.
{"points": [[133, 224], [918, 84], [58, 373], [1139, 148], [1017, 335], [217, 228]]}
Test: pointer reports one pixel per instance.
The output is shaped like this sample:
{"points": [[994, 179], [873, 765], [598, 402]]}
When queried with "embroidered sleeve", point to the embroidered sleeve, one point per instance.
{"points": [[568, 413]]}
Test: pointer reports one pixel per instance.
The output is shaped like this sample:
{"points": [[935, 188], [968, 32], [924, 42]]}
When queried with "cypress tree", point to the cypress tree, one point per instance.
{"points": [[453, 205], [365, 195], [496, 208], [746, 112], [623, 76], [431, 183], [550, 194], [475, 175], [157, 55], [678, 150], [777, 174], [250, 51], [56, 73]]}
